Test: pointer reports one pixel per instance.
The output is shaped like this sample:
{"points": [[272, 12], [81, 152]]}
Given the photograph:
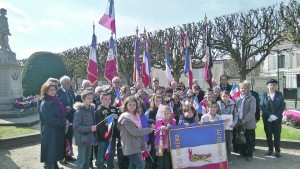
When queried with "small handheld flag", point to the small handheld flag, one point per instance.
{"points": [[107, 153], [197, 105], [118, 98], [110, 120], [234, 93]]}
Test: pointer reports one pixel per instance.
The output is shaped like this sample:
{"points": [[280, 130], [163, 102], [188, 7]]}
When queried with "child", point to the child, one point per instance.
{"points": [[188, 116], [162, 144], [84, 129], [211, 116], [209, 96], [156, 100], [132, 133], [227, 106], [103, 111]]}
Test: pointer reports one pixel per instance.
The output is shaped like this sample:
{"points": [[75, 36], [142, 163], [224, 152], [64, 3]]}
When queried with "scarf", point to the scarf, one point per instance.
{"points": [[58, 103]]}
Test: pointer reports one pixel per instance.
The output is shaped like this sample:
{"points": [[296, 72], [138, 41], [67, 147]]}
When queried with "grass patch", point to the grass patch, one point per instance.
{"points": [[13, 131], [286, 132]]}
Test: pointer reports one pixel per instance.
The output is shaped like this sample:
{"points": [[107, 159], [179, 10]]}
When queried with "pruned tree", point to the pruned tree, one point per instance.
{"points": [[290, 16], [247, 37]]}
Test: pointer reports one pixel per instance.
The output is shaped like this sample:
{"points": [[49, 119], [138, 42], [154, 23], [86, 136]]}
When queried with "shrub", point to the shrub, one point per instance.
{"points": [[38, 68]]}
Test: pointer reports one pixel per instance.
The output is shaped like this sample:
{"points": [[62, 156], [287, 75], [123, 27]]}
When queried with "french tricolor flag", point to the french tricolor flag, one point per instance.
{"points": [[118, 98], [197, 106], [234, 93], [108, 19], [107, 153], [110, 120], [92, 68], [188, 61], [146, 67], [111, 70], [136, 71], [168, 64]]}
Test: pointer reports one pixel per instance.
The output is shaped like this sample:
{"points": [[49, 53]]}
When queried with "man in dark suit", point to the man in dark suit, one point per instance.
{"points": [[67, 97], [224, 83], [272, 106]]}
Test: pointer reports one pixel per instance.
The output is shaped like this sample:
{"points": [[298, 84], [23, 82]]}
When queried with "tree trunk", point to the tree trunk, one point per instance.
{"points": [[242, 75]]}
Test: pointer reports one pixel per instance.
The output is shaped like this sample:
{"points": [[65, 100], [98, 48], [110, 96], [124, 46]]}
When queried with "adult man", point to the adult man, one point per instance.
{"points": [[85, 85], [67, 98], [224, 83], [155, 83], [174, 85], [116, 85], [4, 31]]}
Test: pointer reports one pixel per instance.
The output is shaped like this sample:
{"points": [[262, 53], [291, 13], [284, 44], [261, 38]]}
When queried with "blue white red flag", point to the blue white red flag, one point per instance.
{"points": [[168, 63], [197, 105], [118, 98], [136, 71], [92, 68], [234, 93], [110, 121], [206, 149], [208, 57], [146, 67], [188, 71], [111, 70], [108, 19], [107, 153]]}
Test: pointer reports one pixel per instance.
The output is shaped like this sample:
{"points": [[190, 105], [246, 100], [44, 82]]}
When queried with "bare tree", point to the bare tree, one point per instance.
{"points": [[247, 37], [291, 20]]}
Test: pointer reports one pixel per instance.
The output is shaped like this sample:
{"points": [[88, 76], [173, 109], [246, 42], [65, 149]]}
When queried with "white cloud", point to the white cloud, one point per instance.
{"points": [[51, 23], [29, 51], [14, 9]]}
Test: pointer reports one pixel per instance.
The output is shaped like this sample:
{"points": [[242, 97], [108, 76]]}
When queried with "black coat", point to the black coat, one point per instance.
{"points": [[278, 105], [53, 124], [63, 98], [228, 87]]}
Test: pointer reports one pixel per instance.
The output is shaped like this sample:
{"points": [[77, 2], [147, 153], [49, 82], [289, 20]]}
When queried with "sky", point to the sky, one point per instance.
{"points": [[58, 25]]}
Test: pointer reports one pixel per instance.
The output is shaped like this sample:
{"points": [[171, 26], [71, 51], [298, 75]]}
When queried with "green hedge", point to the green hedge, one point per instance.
{"points": [[38, 68]]}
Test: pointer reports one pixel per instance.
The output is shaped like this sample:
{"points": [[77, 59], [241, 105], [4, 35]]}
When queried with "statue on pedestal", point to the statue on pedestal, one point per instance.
{"points": [[4, 31]]}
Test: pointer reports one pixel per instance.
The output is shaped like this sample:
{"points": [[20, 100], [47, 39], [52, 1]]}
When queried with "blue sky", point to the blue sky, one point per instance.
{"points": [[58, 25]]}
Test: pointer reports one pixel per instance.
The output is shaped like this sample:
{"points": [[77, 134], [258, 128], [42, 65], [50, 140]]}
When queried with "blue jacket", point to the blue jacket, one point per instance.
{"points": [[83, 120], [278, 104], [53, 124]]}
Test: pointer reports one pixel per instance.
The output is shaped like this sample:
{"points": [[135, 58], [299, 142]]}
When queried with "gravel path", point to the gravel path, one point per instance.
{"points": [[28, 158]]}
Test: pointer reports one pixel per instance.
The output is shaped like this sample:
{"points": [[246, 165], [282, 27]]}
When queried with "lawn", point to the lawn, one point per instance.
{"points": [[13, 131], [287, 133]]}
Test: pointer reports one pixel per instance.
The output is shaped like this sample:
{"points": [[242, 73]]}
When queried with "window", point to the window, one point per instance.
{"points": [[281, 61], [298, 59]]}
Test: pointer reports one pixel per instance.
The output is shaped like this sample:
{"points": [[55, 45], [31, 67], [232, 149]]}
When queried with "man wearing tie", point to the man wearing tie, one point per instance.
{"points": [[67, 96]]}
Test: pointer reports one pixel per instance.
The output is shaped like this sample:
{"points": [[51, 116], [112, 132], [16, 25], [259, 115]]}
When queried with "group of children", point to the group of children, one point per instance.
{"points": [[142, 125]]}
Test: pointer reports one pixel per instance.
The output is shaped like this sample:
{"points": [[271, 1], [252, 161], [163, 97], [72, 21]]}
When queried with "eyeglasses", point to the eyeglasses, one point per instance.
{"points": [[116, 82]]}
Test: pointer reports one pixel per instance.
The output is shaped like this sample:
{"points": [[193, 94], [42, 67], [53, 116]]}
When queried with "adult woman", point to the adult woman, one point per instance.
{"points": [[246, 114], [272, 106], [53, 125]]}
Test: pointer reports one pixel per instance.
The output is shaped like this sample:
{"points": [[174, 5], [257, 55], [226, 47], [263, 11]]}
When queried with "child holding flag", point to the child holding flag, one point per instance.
{"points": [[228, 107], [106, 142], [132, 133], [162, 144], [84, 129]]}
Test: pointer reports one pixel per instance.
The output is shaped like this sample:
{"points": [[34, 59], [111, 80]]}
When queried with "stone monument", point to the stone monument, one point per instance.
{"points": [[10, 70]]}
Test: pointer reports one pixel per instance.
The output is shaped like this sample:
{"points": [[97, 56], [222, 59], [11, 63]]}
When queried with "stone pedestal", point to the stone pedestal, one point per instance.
{"points": [[10, 80]]}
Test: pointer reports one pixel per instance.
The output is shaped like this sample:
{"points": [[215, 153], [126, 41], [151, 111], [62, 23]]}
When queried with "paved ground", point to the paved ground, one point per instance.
{"points": [[28, 158]]}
